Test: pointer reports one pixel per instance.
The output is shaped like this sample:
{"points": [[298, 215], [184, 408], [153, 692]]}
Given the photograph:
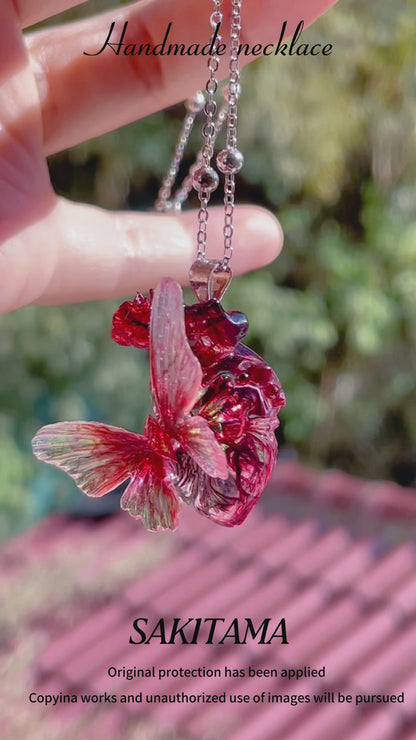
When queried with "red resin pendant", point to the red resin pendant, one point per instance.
{"points": [[211, 441]]}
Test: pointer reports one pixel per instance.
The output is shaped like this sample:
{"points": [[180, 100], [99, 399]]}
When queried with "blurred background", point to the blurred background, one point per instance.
{"points": [[330, 148]]}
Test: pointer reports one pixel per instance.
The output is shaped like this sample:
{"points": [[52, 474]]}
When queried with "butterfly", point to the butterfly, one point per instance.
{"points": [[210, 441]]}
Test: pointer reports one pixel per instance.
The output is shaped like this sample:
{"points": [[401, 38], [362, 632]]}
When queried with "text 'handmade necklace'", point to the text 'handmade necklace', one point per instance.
{"points": [[211, 441]]}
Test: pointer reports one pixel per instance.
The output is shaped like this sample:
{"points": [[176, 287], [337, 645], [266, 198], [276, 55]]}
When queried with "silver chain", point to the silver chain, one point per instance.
{"points": [[205, 179], [164, 202], [231, 137], [202, 175]]}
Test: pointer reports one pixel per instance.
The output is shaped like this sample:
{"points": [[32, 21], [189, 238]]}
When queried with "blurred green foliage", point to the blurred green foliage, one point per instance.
{"points": [[330, 148]]}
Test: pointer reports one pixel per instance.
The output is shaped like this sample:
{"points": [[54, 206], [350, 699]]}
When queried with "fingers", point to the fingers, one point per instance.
{"points": [[33, 11], [81, 253], [83, 96]]}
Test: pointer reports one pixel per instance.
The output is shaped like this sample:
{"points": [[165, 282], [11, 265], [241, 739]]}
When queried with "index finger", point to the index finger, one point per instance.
{"points": [[83, 96]]}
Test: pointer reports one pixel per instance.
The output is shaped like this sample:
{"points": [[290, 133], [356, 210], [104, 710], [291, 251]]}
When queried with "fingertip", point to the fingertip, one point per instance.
{"points": [[258, 238]]}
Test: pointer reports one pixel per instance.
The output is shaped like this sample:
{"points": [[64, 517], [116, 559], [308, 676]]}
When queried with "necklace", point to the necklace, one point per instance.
{"points": [[210, 442]]}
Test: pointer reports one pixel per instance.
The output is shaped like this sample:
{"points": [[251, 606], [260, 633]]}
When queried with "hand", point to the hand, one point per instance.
{"points": [[53, 96]]}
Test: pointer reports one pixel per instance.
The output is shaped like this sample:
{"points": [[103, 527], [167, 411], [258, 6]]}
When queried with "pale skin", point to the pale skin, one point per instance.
{"points": [[52, 96]]}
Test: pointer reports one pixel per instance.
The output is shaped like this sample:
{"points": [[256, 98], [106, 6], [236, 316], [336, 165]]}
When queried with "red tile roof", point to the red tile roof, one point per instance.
{"points": [[333, 555]]}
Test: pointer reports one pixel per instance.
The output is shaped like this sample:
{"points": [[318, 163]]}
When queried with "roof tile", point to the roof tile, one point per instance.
{"points": [[382, 725], [330, 546], [326, 721], [79, 638], [140, 592], [201, 581], [404, 598], [267, 532], [338, 619], [280, 553], [346, 570], [407, 684], [376, 582], [389, 501], [397, 658], [370, 634], [338, 489], [95, 655], [294, 479]]}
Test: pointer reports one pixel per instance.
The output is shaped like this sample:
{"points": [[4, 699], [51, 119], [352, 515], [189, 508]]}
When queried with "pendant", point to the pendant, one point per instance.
{"points": [[210, 442]]}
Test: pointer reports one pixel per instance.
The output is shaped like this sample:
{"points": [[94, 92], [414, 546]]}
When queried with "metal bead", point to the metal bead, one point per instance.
{"points": [[226, 90], [230, 161], [196, 103], [205, 179]]}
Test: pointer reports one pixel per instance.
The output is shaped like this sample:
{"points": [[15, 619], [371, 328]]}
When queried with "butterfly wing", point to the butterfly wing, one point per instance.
{"points": [[152, 497], [176, 379], [98, 457], [176, 374]]}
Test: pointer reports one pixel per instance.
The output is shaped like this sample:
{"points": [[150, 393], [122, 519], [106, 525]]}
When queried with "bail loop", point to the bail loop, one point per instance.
{"points": [[209, 279]]}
